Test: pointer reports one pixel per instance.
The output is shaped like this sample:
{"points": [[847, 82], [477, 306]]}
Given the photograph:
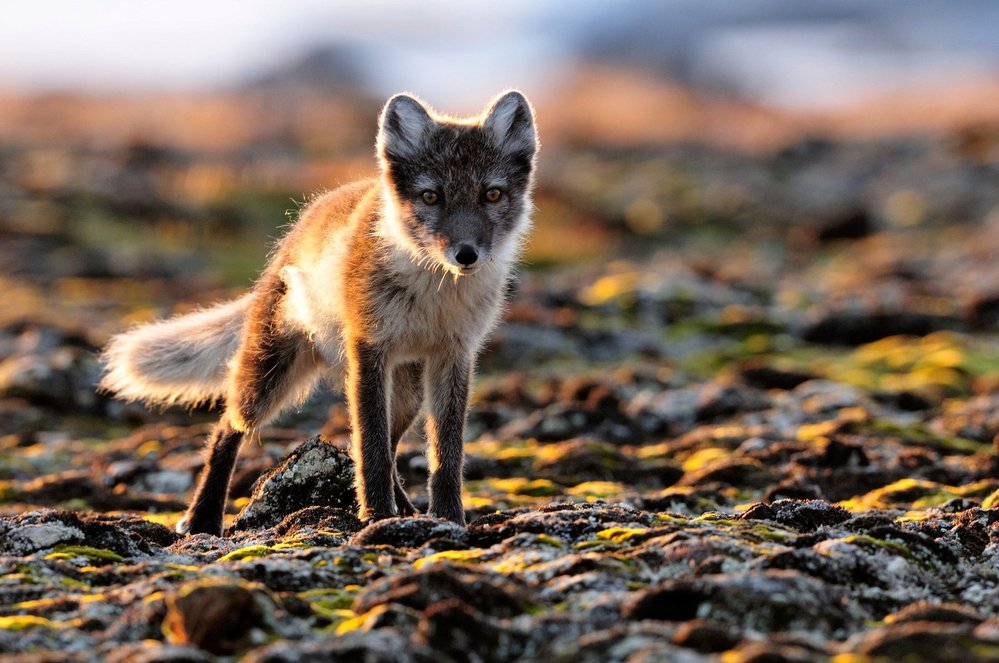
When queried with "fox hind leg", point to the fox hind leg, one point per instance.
{"points": [[271, 369], [407, 399]]}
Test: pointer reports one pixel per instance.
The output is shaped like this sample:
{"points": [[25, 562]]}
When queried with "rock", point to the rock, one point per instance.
{"points": [[319, 518], [219, 616], [706, 636], [762, 376], [803, 515], [924, 611], [491, 593], [155, 652], [770, 601], [65, 378], [43, 530], [382, 646], [948, 642], [409, 532], [316, 473], [859, 327], [458, 630], [720, 400]]}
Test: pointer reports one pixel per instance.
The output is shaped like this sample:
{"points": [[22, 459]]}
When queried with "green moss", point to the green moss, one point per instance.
{"points": [[549, 540], [921, 436], [767, 533], [93, 555], [250, 552], [891, 546]]}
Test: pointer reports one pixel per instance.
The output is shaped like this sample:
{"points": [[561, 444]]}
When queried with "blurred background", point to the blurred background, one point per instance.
{"points": [[823, 157], [211, 117]]}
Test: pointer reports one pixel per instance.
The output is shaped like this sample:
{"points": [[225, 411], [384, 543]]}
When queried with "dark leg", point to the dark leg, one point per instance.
{"points": [[205, 515], [373, 461], [447, 388], [407, 399]]}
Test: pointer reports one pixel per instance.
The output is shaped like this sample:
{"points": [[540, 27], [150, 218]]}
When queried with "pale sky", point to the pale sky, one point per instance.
{"points": [[152, 44]]}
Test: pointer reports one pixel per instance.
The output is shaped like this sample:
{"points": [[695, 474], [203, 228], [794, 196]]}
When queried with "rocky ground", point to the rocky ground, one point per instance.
{"points": [[763, 432]]}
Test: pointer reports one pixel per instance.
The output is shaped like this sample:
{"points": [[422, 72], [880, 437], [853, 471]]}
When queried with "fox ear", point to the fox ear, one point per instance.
{"points": [[403, 123], [511, 121]]}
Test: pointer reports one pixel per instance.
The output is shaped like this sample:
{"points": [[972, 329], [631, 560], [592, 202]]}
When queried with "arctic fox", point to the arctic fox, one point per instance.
{"points": [[394, 282]]}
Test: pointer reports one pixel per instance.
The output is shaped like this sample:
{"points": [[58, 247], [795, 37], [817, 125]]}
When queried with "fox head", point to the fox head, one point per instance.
{"points": [[460, 189]]}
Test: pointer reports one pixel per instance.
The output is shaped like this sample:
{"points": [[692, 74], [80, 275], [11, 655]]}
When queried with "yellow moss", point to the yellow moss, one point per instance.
{"points": [[918, 493], [47, 603], [702, 457], [550, 540], [851, 658], [648, 451], [512, 564], [358, 622], [250, 552], [620, 534], [596, 489], [670, 519], [148, 448], [64, 551], [240, 502], [891, 546], [22, 622], [992, 501], [609, 288], [166, 518], [475, 502], [524, 486], [458, 556]]}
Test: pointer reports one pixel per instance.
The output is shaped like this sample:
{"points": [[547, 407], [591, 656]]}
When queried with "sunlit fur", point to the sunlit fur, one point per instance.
{"points": [[365, 286]]}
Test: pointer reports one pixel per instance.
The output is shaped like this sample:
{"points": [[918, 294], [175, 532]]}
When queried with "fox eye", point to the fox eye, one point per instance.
{"points": [[494, 194], [430, 197]]}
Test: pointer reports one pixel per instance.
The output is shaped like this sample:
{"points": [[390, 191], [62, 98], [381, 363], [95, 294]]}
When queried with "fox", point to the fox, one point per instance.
{"points": [[390, 284]]}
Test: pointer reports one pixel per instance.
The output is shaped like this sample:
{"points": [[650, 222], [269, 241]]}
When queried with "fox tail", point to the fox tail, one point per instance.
{"points": [[183, 360]]}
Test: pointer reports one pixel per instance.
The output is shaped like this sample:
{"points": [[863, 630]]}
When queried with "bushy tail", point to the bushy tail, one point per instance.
{"points": [[183, 360]]}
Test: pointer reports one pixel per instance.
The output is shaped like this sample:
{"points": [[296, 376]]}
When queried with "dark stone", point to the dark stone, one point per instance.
{"points": [[319, 517], [316, 473], [857, 327], [463, 633], [408, 532], [761, 376], [924, 611], [854, 223], [948, 642], [219, 617], [706, 636], [718, 401], [802, 515], [491, 593]]}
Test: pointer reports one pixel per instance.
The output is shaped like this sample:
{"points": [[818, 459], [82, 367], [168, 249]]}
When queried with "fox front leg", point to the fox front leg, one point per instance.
{"points": [[447, 390], [367, 394]]}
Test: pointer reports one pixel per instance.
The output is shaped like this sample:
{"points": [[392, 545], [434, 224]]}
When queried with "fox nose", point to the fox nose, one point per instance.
{"points": [[466, 255]]}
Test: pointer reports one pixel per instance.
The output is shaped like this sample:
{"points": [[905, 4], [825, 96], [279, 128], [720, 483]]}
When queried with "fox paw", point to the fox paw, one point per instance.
{"points": [[193, 525]]}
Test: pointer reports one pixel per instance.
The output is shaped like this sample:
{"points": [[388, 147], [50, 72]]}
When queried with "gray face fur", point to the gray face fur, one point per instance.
{"points": [[459, 162]]}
